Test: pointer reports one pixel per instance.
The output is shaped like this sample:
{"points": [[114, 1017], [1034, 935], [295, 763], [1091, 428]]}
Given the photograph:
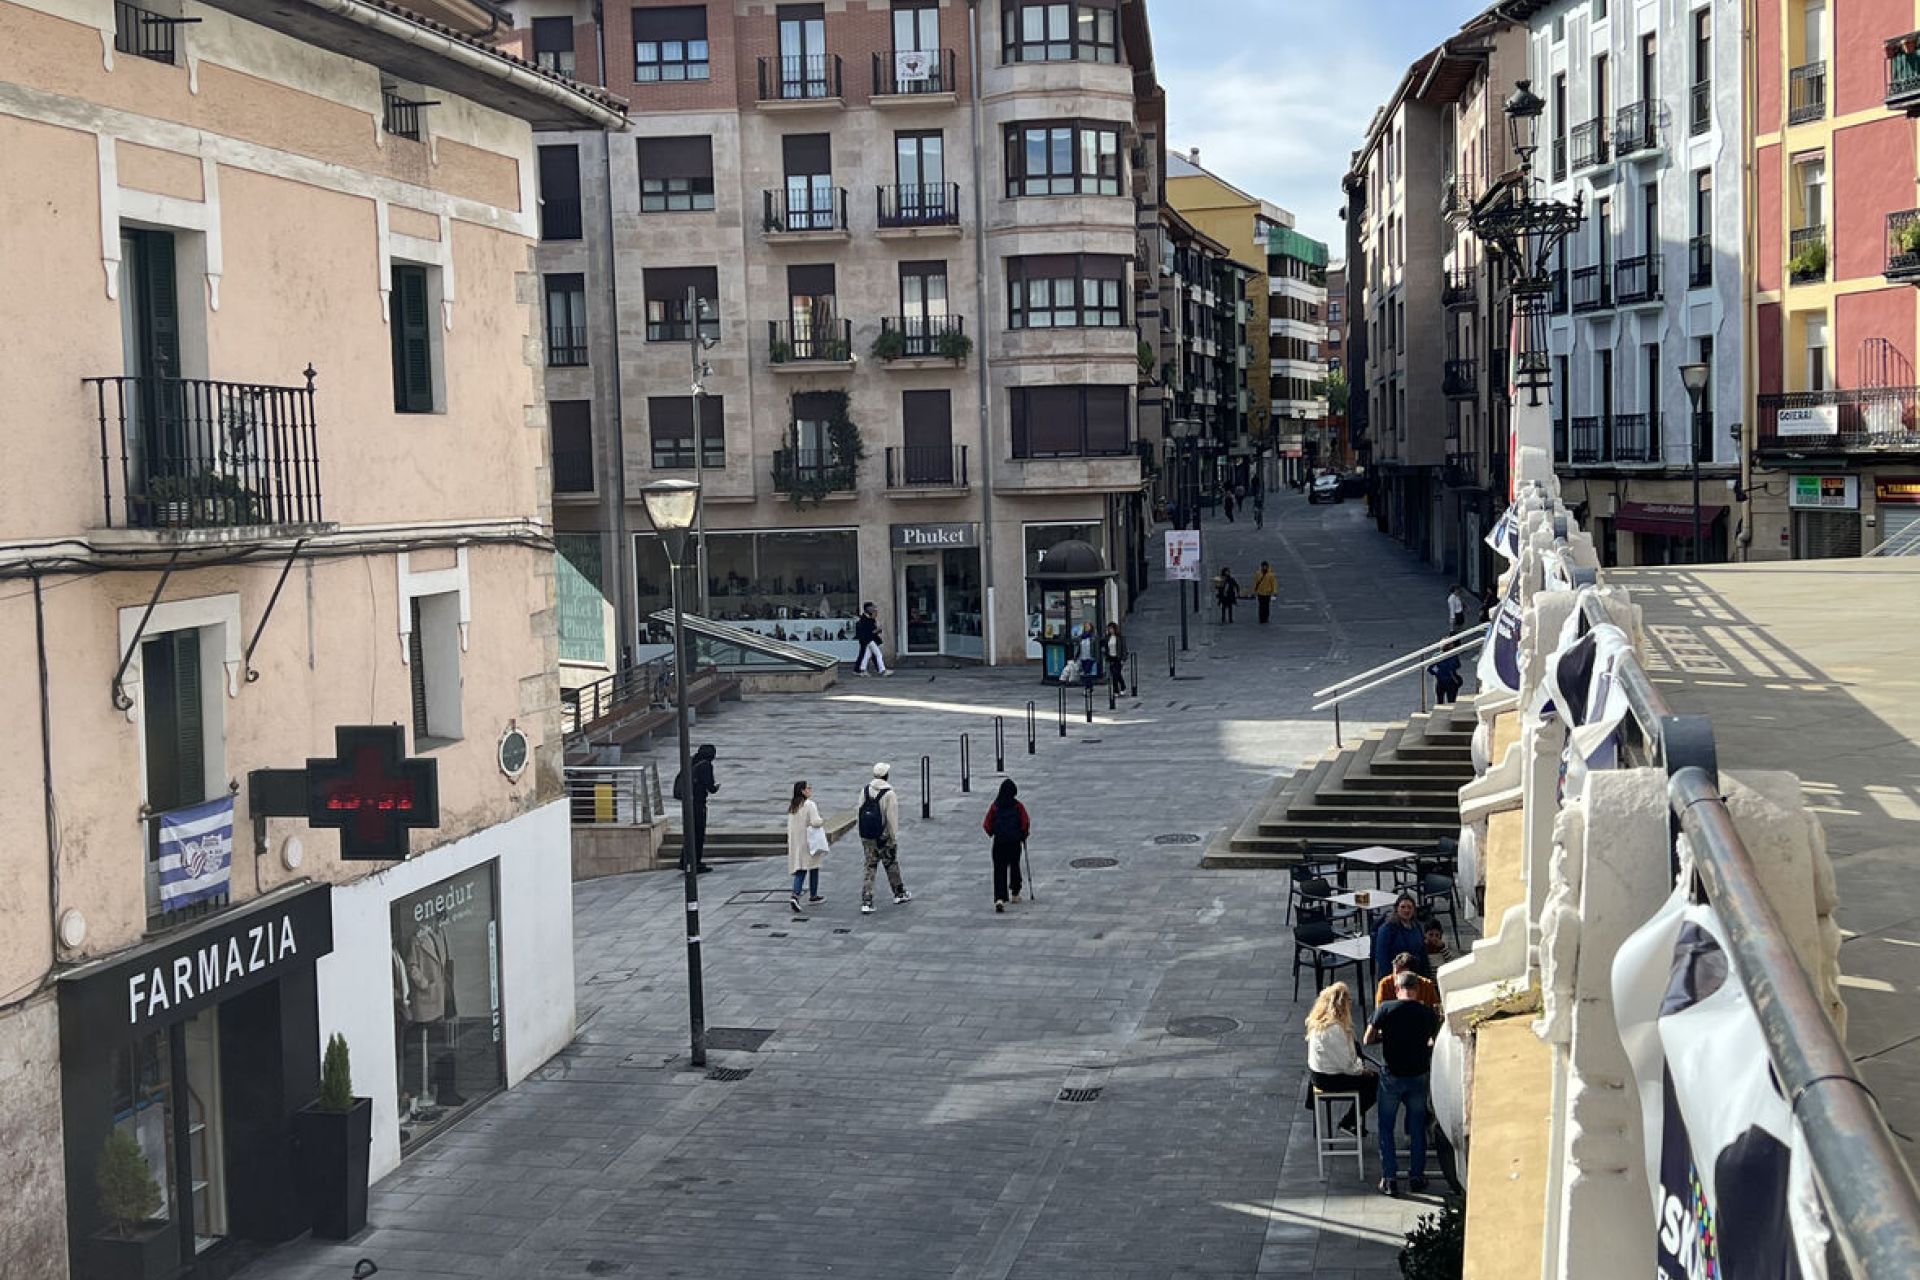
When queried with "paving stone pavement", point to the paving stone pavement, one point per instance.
{"points": [[902, 1120]]}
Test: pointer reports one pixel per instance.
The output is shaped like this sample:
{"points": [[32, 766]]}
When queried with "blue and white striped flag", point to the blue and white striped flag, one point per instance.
{"points": [[196, 852]]}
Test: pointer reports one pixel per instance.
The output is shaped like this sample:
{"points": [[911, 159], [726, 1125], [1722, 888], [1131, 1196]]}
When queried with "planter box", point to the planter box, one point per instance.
{"points": [[333, 1149], [145, 1255]]}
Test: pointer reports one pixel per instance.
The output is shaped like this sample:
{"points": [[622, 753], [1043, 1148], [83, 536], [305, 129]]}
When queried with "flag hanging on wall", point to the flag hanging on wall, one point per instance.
{"points": [[196, 853]]}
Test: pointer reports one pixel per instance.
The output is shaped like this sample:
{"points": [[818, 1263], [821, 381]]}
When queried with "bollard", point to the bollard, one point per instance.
{"points": [[966, 765], [1089, 704], [999, 744], [1133, 673], [1111, 695], [1170, 670], [1063, 710], [1030, 724], [926, 786]]}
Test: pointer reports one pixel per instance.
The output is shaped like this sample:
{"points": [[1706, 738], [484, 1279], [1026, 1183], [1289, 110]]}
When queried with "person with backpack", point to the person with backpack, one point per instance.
{"points": [[1007, 822], [1227, 593], [866, 636], [693, 844], [879, 825]]}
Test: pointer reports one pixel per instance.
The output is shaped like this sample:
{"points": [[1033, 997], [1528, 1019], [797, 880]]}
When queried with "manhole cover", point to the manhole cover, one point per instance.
{"points": [[1203, 1027], [1084, 863], [748, 1039], [729, 1074], [1177, 837], [611, 975], [1080, 1095]]}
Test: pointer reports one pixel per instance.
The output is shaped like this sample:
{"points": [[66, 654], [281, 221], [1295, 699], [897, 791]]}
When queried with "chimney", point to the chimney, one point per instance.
{"points": [[1193, 155]]}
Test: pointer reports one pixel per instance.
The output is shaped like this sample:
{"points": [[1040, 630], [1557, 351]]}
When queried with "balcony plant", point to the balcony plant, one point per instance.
{"points": [[954, 345], [836, 350], [1908, 237], [1810, 262], [334, 1136], [132, 1245], [845, 450], [781, 352], [1145, 354], [890, 345], [1436, 1248]]}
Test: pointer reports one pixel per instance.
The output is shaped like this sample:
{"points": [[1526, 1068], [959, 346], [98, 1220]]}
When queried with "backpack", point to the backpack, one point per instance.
{"points": [[679, 786], [1006, 823], [873, 823]]}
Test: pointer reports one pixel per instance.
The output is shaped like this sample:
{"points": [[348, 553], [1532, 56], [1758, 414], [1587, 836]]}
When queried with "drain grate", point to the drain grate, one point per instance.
{"points": [[746, 1039], [1177, 837], [1080, 1095], [1201, 1027], [843, 931], [1085, 863], [757, 897], [729, 1074], [778, 933]]}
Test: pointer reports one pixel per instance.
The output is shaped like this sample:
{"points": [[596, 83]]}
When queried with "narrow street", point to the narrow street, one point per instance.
{"points": [[901, 1118]]}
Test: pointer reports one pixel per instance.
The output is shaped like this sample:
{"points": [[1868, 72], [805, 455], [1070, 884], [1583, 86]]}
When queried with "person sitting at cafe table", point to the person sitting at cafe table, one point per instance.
{"points": [[1425, 990], [1401, 932]]}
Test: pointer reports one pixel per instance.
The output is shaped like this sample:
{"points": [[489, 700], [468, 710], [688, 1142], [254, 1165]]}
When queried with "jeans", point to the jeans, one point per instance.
{"points": [[1266, 608], [1397, 1092], [881, 853], [804, 877]]}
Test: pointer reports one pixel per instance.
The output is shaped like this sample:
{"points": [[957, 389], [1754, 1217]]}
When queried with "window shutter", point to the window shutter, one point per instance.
{"points": [[412, 342], [174, 724], [417, 674], [160, 294], [189, 720]]}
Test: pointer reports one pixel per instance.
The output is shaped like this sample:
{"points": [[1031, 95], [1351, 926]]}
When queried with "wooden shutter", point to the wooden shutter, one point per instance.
{"points": [[417, 673], [175, 727], [926, 419], [412, 342], [159, 297]]}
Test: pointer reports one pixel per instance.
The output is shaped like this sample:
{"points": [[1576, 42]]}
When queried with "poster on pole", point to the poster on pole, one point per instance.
{"points": [[1183, 555]]}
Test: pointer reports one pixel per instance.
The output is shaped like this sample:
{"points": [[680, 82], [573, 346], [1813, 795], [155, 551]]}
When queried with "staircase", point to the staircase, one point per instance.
{"points": [[768, 843], [1399, 788]]}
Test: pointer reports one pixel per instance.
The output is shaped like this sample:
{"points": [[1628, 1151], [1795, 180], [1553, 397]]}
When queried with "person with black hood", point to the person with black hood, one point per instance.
{"points": [[1008, 824], [693, 845]]}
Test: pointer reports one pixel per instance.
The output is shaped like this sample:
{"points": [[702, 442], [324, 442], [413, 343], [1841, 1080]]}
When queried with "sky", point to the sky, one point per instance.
{"points": [[1277, 93]]}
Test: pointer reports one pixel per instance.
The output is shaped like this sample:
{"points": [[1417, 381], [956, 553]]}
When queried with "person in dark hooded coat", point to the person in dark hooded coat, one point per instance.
{"points": [[1007, 822]]}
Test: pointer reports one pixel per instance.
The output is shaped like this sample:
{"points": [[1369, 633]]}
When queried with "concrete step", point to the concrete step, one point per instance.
{"points": [[1362, 833], [1360, 805], [1461, 772], [748, 844]]}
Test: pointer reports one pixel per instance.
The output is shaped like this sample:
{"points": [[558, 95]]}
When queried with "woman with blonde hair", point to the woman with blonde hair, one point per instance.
{"points": [[1333, 1063]]}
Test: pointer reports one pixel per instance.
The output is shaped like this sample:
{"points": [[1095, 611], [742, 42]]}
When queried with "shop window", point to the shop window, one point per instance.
{"points": [[417, 383], [670, 428], [670, 44], [666, 290], [446, 1001], [676, 175], [433, 668], [802, 586]]}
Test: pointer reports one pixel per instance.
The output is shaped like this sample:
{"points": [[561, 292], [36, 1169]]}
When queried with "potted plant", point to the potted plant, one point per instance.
{"points": [[954, 345], [1810, 261], [132, 1246], [781, 352], [334, 1135], [1436, 1248], [1908, 237], [836, 350], [890, 345], [1145, 355], [170, 501]]}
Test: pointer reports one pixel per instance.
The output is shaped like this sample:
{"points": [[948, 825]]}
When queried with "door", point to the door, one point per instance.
{"points": [[811, 309], [803, 51], [1826, 535], [808, 158], [920, 175], [923, 305], [927, 437], [156, 440], [205, 1163], [920, 603]]}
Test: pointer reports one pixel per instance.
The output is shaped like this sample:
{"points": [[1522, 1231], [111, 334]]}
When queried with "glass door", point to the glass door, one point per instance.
{"points": [[206, 1142], [803, 51], [920, 603], [962, 600], [923, 305], [920, 172]]}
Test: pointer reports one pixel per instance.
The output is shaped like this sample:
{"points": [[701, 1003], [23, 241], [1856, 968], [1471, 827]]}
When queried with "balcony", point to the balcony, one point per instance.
{"points": [[1592, 289], [1807, 254], [572, 465], [1589, 144], [1635, 438], [938, 467], [901, 79], [1701, 108], [813, 473], [1456, 198], [1462, 471], [143, 33], [1457, 380], [910, 342], [566, 346], [1457, 290], [192, 454], [907, 210], [1807, 93], [1903, 247], [1560, 295], [400, 117], [1864, 420], [809, 345], [1700, 262], [801, 82], [1559, 159], [1636, 129], [804, 214], [1587, 441], [1636, 280], [1903, 73]]}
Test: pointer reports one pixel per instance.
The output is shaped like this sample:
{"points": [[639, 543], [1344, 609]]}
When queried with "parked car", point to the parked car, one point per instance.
{"points": [[1353, 485], [1324, 488]]}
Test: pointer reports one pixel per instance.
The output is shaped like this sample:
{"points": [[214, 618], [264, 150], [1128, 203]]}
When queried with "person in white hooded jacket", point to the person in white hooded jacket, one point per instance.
{"points": [[879, 826]]}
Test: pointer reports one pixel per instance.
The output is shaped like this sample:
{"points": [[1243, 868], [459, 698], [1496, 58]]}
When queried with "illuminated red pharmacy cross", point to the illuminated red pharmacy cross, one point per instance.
{"points": [[372, 793]]}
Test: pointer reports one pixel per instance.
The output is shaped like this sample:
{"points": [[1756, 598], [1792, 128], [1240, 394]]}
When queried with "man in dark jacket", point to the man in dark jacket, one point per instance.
{"points": [[694, 847], [866, 638]]}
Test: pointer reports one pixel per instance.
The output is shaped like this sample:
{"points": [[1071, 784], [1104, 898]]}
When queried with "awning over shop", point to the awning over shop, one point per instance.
{"points": [[1670, 519]]}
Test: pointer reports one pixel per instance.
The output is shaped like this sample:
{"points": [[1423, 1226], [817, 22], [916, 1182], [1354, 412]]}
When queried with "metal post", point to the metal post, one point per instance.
{"points": [[689, 856], [1171, 673], [1336, 725], [1181, 587], [1089, 704], [999, 744], [1063, 710], [966, 765], [1133, 673], [1030, 727], [1112, 684], [926, 786], [1693, 453]]}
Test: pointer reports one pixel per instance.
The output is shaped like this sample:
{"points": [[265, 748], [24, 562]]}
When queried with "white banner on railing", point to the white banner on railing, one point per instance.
{"points": [[1505, 535], [913, 66], [1733, 1194], [1584, 686], [1499, 666]]}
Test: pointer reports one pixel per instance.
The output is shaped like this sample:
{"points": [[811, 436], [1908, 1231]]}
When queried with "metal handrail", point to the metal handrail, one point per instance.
{"points": [[1400, 665], [631, 793], [1904, 543]]}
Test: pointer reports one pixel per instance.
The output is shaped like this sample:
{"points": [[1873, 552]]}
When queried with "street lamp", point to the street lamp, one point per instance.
{"points": [[698, 343], [1695, 377], [674, 507], [1523, 108]]}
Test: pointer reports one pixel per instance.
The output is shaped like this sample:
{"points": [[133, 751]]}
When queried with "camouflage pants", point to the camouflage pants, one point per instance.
{"points": [[880, 853]]}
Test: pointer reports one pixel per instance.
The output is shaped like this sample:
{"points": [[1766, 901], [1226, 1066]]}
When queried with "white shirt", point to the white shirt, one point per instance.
{"points": [[1331, 1052]]}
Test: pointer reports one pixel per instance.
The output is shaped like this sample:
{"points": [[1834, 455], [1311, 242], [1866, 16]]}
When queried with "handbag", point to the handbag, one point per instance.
{"points": [[817, 842], [1070, 672]]}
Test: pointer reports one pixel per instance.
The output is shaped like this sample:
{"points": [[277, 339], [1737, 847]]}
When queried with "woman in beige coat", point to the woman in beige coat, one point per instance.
{"points": [[803, 818]]}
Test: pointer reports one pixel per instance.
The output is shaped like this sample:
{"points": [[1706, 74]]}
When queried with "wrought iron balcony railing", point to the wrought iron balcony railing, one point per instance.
{"points": [[1807, 93], [1700, 262], [1457, 378], [905, 75], [933, 466], [1637, 279], [793, 210], [813, 470], [923, 338], [566, 345], [1457, 290], [1807, 254], [1592, 288], [1587, 441], [1635, 437], [909, 204], [1636, 127], [1903, 245], [192, 453], [145, 34], [825, 341], [572, 466], [401, 116], [1856, 420], [804, 78], [1589, 139], [1903, 71]]}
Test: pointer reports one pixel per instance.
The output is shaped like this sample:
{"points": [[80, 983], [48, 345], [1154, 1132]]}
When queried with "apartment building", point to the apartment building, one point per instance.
{"points": [[1296, 346], [1204, 316], [1397, 239], [1643, 107], [1354, 276], [1835, 461], [911, 362], [277, 504]]}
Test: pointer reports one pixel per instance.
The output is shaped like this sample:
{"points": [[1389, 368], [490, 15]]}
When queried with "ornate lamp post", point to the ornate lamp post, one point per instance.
{"points": [[1695, 378]]}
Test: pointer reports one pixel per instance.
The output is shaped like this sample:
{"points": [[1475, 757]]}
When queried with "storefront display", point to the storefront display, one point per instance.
{"points": [[801, 586], [1039, 539], [937, 587], [446, 1001]]}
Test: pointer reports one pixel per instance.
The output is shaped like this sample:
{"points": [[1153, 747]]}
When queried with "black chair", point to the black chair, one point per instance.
{"points": [[1309, 872], [1308, 936]]}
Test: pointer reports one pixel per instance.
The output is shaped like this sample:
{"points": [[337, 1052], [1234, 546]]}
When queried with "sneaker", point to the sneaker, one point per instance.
{"points": [[999, 906], [816, 899], [866, 908], [1387, 1187], [902, 896], [1016, 899], [1416, 1185], [793, 904], [886, 673]]}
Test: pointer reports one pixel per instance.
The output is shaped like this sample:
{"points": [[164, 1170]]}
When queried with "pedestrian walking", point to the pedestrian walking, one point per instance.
{"points": [[879, 825], [866, 635], [1265, 587], [693, 843], [1259, 508], [806, 845], [1007, 822], [1226, 503], [1086, 656], [1446, 679], [1117, 658], [1456, 609], [1227, 593]]}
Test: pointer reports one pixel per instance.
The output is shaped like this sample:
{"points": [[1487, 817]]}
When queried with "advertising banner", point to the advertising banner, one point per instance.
{"points": [[913, 66], [1813, 420], [1500, 655], [1183, 555], [1824, 493]]}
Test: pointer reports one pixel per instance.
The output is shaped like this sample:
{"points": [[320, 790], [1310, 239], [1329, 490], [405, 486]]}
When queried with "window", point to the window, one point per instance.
{"points": [[810, 194], [433, 662], [559, 193], [553, 45], [1599, 10], [926, 434], [676, 175], [1400, 332], [1700, 248], [1810, 184], [1063, 291], [1702, 114], [923, 306], [1600, 87], [670, 44], [571, 424], [1649, 68], [666, 290], [1071, 422], [1080, 157], [410, 310], [566, 320], [1816, 343], [1334, 309], [916, 26], [173, 714], [1052, 31], [670, 427]]}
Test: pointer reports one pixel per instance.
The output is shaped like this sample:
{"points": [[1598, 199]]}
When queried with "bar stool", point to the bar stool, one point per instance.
{"points": [[1328, 1141]]}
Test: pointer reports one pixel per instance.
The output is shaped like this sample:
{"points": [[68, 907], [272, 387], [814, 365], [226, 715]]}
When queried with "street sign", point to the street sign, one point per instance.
{"points": [[1183, 555], [368, 790]]}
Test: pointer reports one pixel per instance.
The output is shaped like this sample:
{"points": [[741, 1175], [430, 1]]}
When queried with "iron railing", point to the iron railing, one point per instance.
{"points": [[827, 340], [1457, 378], [1701, 107], [1635, 437], [145, 34], [1903, 245], [1457, 290], [941, 75], [1637, 279], [401, 116], [912, 204], [559, 217], [1592, 288], [1807, 254], [1636, 127], [648, 684], [804, 470], [572, 465], [1903, 71], [1462, 470], [1860, 419], [800, 78], [932, 466], [566, 345], [1700, 262], [1589, 139], [1587, 441], [791, 210], [1807, 93], [191, 453], [1462, 645], [626, 795], [925, 337]]}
